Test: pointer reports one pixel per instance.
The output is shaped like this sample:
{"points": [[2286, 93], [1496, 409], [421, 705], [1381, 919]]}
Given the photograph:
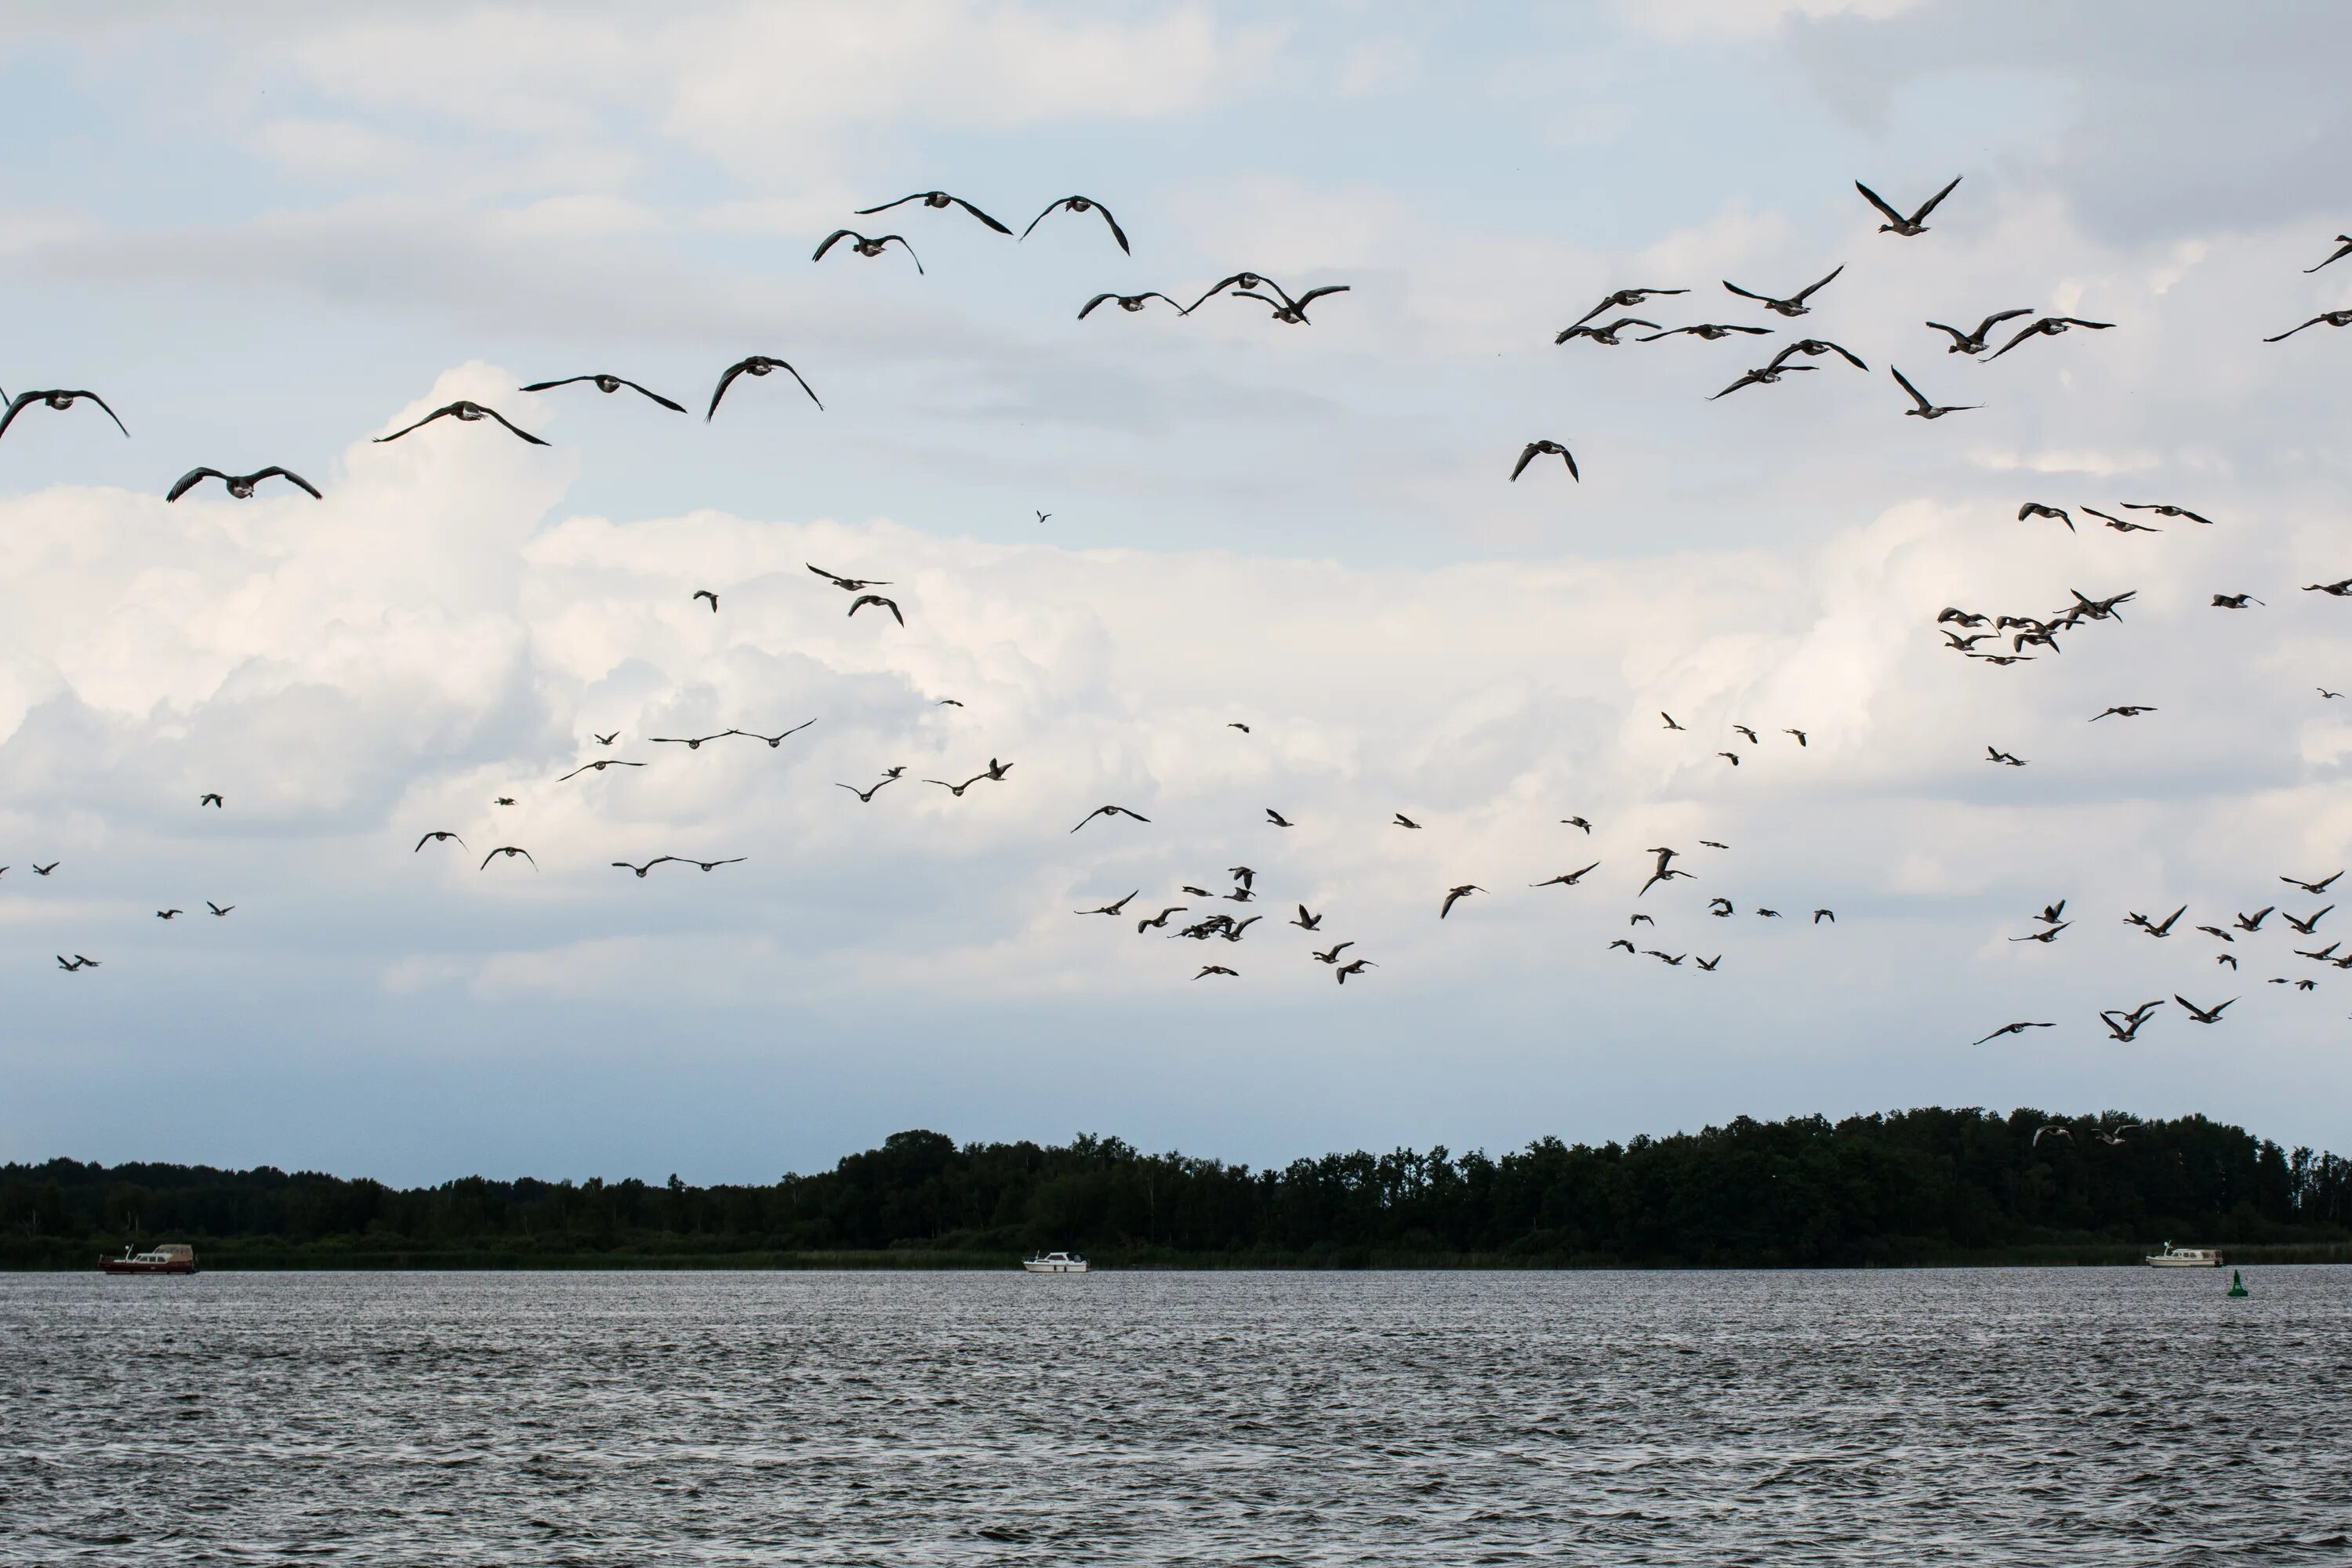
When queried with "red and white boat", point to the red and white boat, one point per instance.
{"points": [[172, 1258]]}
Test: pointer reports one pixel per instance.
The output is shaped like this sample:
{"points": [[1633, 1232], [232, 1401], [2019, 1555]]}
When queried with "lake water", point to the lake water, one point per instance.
{"points": [[2013, 1417]]}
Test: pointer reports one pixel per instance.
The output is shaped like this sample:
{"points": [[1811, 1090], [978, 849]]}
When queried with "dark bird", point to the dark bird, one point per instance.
{"points": [[1812, 347], [1293, 312], [1535, 450], [1455, 896], [208, 799], [776, 741], [1108, 811], [2324, 319], [1577, 822], [865, 247], [2344, 245], [706, 593], [1306, 922], [1721, 908], [1117, 909], [2226, 958], [2244, 921], [1042, 516], [1333, 956], [165, 914], [858, 585], [867, 795], [1241, 875], [1669, 719], [957, 789], [641, 870], [468, 413], [2217, 930], [223, 908], [1209, 969], [1621, 941], [78, 963], [2314, 888], [2324, 693], [2305, 926], [691, 742], [509, 851], [1974, 342], [503, 800], [2120, 525], [1237, 724], [1829, 915], [1731, 757], [757, 364], [1401, 820], [2156, 930], [1567, 880], [1276, 818], [1710, 331], [1765, 375], [2131, 1020], [2320, 955], [1673, 959], [2035, 508], [600, 764], [1354, 966], [1768, 914], [2049, 912], [1082, 204], [712, 865], [40, 870], [1794, 305], [1964, 618], [1232, 931], [240, 485], [1799, 733], [438, 835], [1188, 890], [1641, 921], [1129, 303], [1709, 964], [1895, 222], [1743, 729], [1161, 919], [2012, 1029], [2203, 1015], [1606, 336], [2049, 327], [2128, 710], [2307, 985], [608, 384], [1928, 410], [2166, 508], [56, 398], [2045, 936], [1626, 299], [604, 740], [936, 199], [2332, 590], [862, 600], [2233, 601]]}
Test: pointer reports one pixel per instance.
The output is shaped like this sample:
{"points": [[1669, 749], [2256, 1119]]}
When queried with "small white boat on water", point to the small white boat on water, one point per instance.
{"points": [[2184, 1258], [1056, 1263]]}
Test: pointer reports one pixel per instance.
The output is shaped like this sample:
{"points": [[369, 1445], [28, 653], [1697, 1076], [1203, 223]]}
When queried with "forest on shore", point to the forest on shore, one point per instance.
{"points": [[1921, 1186]]}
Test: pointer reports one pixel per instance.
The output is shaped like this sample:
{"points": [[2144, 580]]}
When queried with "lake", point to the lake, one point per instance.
{"points": [[1952, 1417]]}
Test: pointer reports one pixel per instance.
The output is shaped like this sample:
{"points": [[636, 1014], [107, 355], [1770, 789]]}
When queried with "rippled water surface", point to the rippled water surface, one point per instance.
{"points": [[2014, 1416]]}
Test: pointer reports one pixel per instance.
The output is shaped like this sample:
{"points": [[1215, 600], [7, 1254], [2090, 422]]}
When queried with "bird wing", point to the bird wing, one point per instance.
{"points": [[1526, 455], [835, 238], [1215, 289], [1909, 388], [1799, 298], [1933, 201], [1997, 318], [970, 208], [430, 837], [290, 476], [725, 379], [1098, 299], [646, 391], [550, 385], [94, 397], [1117, 233], [1842, 353], [189, 481], [824, 574], [905, 246], [1314, 294], [2033, 331], [902, 201], [397, 435], [2281, 338], [574, 774], [1747, 293], [2078, 322], [513, 427], [1873, 198], [1957, 335]]}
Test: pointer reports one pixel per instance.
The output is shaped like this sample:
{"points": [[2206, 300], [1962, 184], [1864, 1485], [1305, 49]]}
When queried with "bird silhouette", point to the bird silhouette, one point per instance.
{"points": [[509, 851], [756, 364], [55, 397], [1108, 811], [1082, 204], [608, 384], [865, 247], [1898, 223], [240, 486], [464, 413], [1794, 305], [936, 199]]}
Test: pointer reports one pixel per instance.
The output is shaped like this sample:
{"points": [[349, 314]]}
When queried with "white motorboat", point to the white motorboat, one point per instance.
{"points": [[1056, 1263], [2184, 1258]]}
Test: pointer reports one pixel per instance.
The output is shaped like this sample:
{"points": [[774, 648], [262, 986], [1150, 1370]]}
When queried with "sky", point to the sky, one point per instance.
{"points": [[270, 233]]}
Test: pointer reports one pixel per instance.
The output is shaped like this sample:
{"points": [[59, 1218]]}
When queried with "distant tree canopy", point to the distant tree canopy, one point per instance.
{"points": [[1912, 1186]]}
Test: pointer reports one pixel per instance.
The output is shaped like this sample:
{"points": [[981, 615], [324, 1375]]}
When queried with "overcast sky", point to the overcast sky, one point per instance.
{"points": [[271, 238]]}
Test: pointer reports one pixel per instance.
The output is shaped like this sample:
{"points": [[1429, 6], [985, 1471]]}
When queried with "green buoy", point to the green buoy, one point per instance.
{"points": [[2237, 1283]]}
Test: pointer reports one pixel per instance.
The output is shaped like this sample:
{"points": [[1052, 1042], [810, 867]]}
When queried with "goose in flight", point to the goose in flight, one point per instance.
{"points": [[2156, 930], [1353, 966], [1237, 724], [865, 247], [1277, 819], [1161, 919], [1793, 306], [1535, 450], [1577, 822], [1763, 376], [2051, 1130], [167, 914], [1731, 757], [2217, 930], [1108, 811], [2305, 926], [2049, 327], [40, 870], [1908, 227], [936, 199], [604, 740], [464, 413], [436, 836], [691, 742], [78, 963], [1721, 908], [2233, 601], [1293, 312], [2315, 888], [706, 593], [223, 908], [1743, 729], [2046, 936], [2121, 525], [1669, 719], [2051, 913], [1799, 733], [641, 870], [240, 486], [1673, 959], [2203, 1015], [856, 585], [1333, 955], [1621, 941], [1632, 920], [862, 600], [209, 798], [509, 851], [2251, 922], [1710, 331], [503, 800], [603, 383], [58, 397], [1131, 303], [2324, 693], [2332, 590], [1117, 909], [599, 765], [2111, 1139], [1455, 896], [1812, 347], [1565, 879], [1605, 336], [2131, 1020], [1709, 964], [2166, 508], [1305, 920], [756, 364], [2012, 1029], [2035, 508], [1401, 820], [1974, 342], [2126, 710], [776, 741], [713, 865], [2321, 955], [1082, 204], [1627, 299], [1209, 969], [867, 795], [2344, 248], [1926, 410], [2324, 319], [1829, 915]]}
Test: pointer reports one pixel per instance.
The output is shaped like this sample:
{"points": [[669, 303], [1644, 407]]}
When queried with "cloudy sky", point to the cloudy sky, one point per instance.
{"points": [[267, 239]]}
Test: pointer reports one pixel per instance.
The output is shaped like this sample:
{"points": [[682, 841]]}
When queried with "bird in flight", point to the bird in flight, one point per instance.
{"points": [[1455, 896], [2344, 248], [2128, 710], [509, 851], [599, 765], [1306, 922], [503, 800], [2131, 1021], [2305, 926], [1763, 376], [604, 740], [867, 795], [2314, 888], [1535, 450], [2163, 929], [2332, 590], [58, 397], [209, 798], [1276, 818], [1709, 964], [2244, 921], [2233, 601], [1131, 303], [1829, 915], [865, 247], [1794, 305], [1354, 966], [1731, 757], [1799, 733], [218, 909], [466, 413], [240, 486], [1293, 312], [608, 384], [2035, 508], [2012, 1029], [706, 593], [712, 865], [2051, 1130], [641, 870], [1812, 347], [2049, 327], [166, 914], [1117, 909], [936, 199], [862, 600], [1710, 331], [1974, 342], [437, 835], [1084, 204], [1209, 969], [1908, 227], [1401, 820], [856, 585], [1332, 956], [1108, 811], [2045, 936], [776, 741], [756, 364], [1606, 336], [1160, 919], [2203, 1015], [1626, 299], [40, 870], [78, 963], [1565, 879], [1743, 729], [1577, 822], [1928, 410], [2324, 319], [691, 742], [1669, 719], [2166, 508]]}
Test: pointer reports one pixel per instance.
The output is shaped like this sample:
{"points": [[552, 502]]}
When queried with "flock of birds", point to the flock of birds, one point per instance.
{"points": [[2011, 634]]}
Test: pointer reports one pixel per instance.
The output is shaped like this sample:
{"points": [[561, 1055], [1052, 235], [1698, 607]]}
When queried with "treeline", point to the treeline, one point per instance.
{"points": [[1916, 1186]]}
